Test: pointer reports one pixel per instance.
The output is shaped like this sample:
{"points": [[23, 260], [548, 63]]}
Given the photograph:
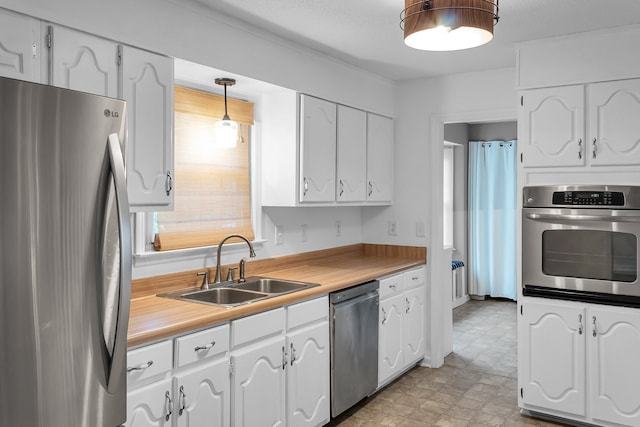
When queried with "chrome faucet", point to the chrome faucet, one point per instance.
{"points": [[252, 254]]}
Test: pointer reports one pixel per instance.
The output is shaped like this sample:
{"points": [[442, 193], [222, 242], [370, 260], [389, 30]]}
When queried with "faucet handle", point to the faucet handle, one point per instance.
{"points": [[205, 279], [230, 273]]}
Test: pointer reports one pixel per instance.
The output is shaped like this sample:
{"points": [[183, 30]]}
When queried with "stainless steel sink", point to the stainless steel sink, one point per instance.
{"points": [[223, 296], [272, 286], [229, 294]]}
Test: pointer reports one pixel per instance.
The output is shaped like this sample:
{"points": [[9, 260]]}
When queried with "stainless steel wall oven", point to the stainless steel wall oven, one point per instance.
{"points": [[582, 243]]}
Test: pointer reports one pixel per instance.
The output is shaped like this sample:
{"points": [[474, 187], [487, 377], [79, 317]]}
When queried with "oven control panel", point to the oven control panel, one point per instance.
{"points": [[588, 198]]}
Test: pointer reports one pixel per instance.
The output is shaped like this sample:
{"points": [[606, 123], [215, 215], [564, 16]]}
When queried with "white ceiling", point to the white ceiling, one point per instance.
{"points": [[367, 33]]}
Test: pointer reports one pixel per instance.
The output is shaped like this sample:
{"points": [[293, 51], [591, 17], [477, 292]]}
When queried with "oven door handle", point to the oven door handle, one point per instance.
{"points": [[572, 218]]}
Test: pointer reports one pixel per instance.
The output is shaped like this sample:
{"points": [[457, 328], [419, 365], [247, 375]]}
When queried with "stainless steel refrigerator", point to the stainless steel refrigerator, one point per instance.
{"points": [[65, 258]]}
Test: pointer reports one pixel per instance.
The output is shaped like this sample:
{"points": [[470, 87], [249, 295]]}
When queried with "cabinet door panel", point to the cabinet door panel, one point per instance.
{"points": [[553, 344], [203, 396], [390, 350], [147, 86], [614, 368], [379, 158], [553, 127], [614, 109], [317, 150], [259, 385], [308, 376], [151, 406], [19, 47], [83, 62], [351, 157], [413, 329]]}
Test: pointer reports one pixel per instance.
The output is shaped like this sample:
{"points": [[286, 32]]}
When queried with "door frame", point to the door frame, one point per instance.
{"points": [[440, 325]]}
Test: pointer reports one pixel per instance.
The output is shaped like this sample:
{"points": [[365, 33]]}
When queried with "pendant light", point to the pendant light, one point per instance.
{"points": [[444, 25], [226, 130]]}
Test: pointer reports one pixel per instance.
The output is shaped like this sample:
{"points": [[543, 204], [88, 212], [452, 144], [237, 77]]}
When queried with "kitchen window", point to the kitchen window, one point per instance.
{"points": [[212, 185]]}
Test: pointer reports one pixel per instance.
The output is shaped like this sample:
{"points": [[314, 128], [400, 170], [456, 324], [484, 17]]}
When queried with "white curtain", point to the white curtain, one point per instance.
{"points": [[492, 218]]}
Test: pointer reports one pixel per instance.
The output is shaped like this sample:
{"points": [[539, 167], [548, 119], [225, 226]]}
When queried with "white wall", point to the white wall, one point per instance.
{"points": [[416, 101], [503, 131]]}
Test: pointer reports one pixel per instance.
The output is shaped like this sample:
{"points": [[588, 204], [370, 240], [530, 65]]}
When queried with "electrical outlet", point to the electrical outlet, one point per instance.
{"points": [[420, 229], [279, 234], [393, 228], [305, 237], [338, 228]]}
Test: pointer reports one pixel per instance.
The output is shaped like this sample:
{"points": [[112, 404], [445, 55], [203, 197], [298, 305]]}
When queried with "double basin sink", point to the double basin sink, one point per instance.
{"points": [[230, 294]]}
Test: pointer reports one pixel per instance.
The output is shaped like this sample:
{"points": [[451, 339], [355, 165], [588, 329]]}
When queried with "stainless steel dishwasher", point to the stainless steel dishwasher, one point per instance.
{"points": [[354, 345]]}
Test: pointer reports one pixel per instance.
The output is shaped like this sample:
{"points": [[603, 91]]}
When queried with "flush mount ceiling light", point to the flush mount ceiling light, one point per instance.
{"points": [[226, 130], [442, 25]]}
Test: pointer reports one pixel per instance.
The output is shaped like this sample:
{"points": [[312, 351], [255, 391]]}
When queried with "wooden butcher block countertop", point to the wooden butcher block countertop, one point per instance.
{"points": [[153, 318]]}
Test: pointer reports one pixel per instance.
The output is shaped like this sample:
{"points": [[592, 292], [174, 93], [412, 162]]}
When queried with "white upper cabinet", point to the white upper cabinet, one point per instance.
{"points": [[19, 47], [561, 126], [83, 62], [351, 159], [317, 150], [614, 123], [552, 127], [379, 158], [91, 64], [319, 153], [147, 86]]}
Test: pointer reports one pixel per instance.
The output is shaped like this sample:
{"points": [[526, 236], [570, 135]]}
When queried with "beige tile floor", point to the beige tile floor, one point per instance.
{"points": [[475, 387]]}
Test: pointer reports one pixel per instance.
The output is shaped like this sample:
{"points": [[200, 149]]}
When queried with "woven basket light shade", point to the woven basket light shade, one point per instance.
{"points": [[443, 25]]}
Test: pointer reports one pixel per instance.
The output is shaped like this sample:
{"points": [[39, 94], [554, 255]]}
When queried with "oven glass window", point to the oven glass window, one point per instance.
{"points": [[590, 254]]}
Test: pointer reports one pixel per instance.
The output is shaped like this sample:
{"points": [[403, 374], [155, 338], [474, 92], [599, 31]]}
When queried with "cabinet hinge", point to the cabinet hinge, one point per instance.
{"points": [[522, 392], [50, 37], [119, 56], [230, 367], [521, 100], [34, 50]]}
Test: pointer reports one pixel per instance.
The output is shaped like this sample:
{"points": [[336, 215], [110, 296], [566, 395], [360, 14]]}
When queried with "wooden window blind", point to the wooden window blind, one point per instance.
{"points": [[212, 185]]}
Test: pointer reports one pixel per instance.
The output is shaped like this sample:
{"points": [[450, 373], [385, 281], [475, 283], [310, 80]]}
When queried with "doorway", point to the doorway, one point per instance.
{"points": [[441, 324]]}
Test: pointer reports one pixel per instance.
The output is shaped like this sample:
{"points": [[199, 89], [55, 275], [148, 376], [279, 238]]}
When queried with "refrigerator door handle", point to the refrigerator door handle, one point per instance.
{"points": [[119, 355]]}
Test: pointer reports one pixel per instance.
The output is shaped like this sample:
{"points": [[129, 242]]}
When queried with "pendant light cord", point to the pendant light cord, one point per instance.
{"points": [[226, 116]]}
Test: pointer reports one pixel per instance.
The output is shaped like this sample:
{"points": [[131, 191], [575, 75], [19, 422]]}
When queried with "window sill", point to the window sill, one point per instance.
{"points": [[151, 258]]}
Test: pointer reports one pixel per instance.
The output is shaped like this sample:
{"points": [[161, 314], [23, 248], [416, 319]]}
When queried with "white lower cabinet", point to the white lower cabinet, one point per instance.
{"points": [[186, 387], [259, 384], [202, 396], [401, 323], [149, 386], [271, 368], [151, 405], [579, 361], [390, 347], [308, 388]]}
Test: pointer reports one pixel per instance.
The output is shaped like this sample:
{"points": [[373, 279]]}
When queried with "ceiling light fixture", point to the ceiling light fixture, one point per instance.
{"points": [[226, 130], [443, 25]]}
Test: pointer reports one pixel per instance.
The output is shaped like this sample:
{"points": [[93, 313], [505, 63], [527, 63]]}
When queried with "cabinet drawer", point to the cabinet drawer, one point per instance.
{"points": [[307, 312], [391, 286], [202, 345], [414, 278], [149, 361], [257, 326]]}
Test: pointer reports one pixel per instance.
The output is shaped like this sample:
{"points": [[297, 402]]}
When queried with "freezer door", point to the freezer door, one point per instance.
{"points": [[65, 258]]}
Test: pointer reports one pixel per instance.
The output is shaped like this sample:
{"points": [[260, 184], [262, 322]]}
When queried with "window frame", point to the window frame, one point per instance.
{"points": [[144, 253]]}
